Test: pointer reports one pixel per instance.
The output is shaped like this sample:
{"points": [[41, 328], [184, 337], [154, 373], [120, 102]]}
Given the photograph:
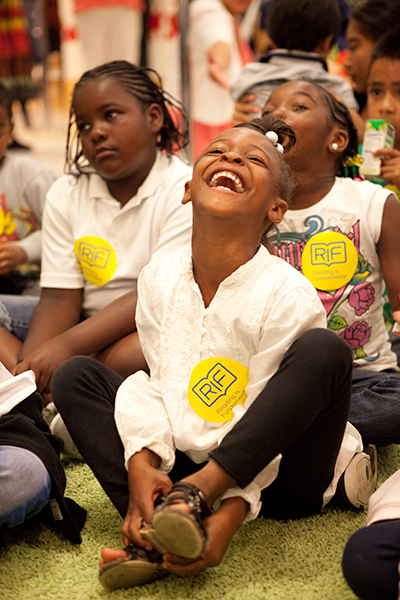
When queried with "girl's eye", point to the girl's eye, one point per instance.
{"points": [[299, 107], [82, 127], [111, 114], [257, 160], [375, 92], [215, 151]]}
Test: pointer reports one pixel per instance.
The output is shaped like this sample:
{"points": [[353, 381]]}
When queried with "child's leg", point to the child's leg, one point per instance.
{"points": [[15, 315], [125, 356], [10, 347], [375, 406], [301, 413], [371, 561], [25, 485], [83, 391]]}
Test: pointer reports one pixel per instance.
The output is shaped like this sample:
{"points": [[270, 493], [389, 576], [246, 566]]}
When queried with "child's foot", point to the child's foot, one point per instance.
{"points": [[129, 567], [109, 555], [358, 482], [177, 523]]}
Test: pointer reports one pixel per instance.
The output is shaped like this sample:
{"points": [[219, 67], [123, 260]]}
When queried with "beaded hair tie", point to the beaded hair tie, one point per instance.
{"points": [[273, 138]]}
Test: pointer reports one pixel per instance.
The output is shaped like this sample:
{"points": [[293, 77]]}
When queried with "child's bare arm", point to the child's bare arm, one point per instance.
{"points": [[100, 331], [389, 249], [390, 165]]}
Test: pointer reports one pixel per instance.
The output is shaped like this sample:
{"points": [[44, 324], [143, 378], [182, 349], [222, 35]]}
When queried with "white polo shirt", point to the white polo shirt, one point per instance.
{"points": [[91, 242]]}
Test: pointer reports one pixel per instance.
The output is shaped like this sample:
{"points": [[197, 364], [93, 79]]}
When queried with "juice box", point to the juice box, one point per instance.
{"points": [[378, 134]]}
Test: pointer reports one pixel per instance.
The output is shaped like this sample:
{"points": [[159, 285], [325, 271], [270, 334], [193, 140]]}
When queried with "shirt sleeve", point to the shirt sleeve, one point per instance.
{"points": [[140, 415], [34, 195], [60, 267], [209, 23], [32, 244], [176, 225]]}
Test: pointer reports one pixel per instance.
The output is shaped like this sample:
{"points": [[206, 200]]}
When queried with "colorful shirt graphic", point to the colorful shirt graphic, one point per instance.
{"points": [[333, 244]]}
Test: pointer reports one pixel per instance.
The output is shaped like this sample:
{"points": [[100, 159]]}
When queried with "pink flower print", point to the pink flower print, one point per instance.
{"points": [[357, 335], [361, 297]]}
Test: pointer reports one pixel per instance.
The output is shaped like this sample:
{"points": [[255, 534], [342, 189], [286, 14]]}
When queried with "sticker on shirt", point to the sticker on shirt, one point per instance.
{"points": [[96, 258], [329, 260], [216, 386]]}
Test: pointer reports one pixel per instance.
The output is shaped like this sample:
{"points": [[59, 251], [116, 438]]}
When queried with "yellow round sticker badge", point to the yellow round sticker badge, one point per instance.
{"points": [[216, 386], [329, 260], [96, 258]]}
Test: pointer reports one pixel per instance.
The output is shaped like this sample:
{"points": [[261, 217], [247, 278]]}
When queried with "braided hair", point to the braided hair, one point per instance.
{"points": [[145, 85], [339, 113]]}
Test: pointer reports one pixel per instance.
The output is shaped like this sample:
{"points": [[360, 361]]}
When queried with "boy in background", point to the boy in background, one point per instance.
{"points": [[383, 100], [24, 183], [302, 33]]}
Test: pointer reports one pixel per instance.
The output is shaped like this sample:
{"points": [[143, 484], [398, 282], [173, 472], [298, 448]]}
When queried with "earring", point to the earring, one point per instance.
{"points": [[335, 147]]}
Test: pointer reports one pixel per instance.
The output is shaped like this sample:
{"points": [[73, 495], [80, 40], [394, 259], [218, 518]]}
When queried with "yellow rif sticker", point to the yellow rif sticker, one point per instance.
{"points": [[96, 258], [329, 260], [216, 386]]}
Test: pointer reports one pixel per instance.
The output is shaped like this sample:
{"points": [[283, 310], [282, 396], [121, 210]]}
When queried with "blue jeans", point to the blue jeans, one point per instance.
{"points": [[375, 406], [16, 313], [25, 485]]}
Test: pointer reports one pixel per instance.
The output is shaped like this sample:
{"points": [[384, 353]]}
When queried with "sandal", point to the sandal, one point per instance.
{"points": [[139, 567], [175, 531]]}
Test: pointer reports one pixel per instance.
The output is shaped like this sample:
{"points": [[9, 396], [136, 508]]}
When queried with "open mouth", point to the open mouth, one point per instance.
{"points": [[226, 180]]}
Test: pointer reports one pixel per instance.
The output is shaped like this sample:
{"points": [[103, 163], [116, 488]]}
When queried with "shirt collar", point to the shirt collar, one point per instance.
{"points": [[295, 54], [156, 177]]}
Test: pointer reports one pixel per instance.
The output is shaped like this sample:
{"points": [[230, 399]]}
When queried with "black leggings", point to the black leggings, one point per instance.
{"points": [[301, 413]]}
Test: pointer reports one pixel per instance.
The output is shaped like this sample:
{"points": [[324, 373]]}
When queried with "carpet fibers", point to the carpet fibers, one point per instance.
{"points": [[267, 560]]}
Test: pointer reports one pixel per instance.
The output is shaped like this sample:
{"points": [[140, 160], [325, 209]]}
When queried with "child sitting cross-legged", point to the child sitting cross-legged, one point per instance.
{"points": [[248, 393]]}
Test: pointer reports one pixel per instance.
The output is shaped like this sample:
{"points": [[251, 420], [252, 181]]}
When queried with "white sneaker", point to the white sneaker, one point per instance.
{"points": [[358, 482], [49, 412], [57, 427]]}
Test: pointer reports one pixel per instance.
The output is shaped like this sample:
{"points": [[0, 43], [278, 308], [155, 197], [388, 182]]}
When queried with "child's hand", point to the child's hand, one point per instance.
{"points": [[146, 483], [390, 165], [44, 361], [221, 526], [11, 255], [217, 69], [245, 110]]}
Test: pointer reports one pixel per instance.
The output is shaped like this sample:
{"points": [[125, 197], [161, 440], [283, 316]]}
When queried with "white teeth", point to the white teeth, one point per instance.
{"points": [[229, 175]]}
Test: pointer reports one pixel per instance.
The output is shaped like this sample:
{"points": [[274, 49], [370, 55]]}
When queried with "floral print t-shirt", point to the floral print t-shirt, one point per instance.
{"points": [[349, 283]]}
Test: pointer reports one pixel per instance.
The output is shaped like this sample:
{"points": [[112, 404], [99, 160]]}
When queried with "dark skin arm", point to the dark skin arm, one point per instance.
{"points": [[388, 250], [145, 484], [110, 335]]}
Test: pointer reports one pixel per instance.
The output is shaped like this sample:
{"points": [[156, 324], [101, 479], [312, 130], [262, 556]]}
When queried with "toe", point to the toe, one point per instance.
{"points": [[110, 554]]}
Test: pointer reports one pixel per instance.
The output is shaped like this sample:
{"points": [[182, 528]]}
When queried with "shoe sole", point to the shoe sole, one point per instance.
{"points": [[178, 533], [124, 573]]}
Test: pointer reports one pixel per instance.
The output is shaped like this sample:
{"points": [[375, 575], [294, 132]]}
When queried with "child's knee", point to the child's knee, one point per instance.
{"points": [[25, 485]]}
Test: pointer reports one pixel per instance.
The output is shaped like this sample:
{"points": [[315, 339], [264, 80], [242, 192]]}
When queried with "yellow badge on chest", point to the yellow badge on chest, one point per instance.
{"points": [[216, 386], [96, 258], [329, 260]]}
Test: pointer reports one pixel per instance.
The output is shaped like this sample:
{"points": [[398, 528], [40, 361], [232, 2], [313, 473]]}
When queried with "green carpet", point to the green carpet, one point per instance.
{"points": [[267, 560]]}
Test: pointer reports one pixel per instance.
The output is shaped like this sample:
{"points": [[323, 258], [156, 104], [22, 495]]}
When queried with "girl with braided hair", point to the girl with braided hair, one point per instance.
{"points": [[344, 235], [118, 208]]}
